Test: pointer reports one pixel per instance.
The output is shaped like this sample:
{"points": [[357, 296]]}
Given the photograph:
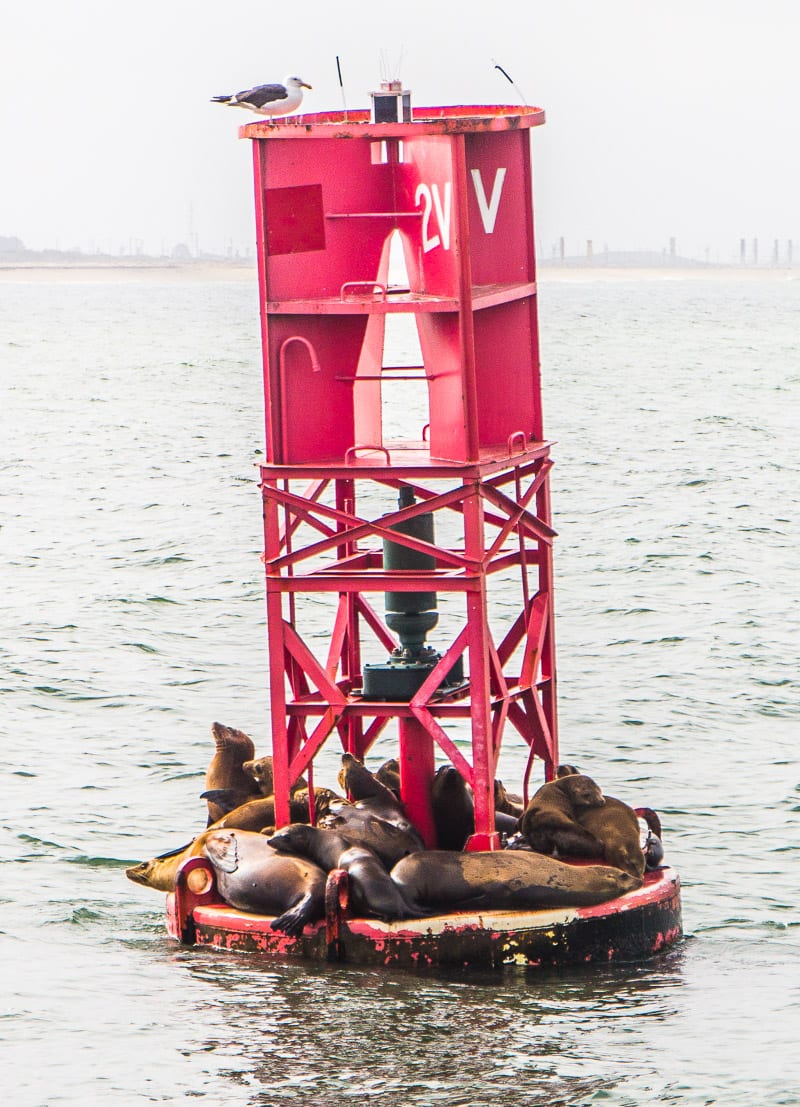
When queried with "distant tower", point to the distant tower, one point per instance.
{"points": [[742, 250], [589, 250], [755, 251]]}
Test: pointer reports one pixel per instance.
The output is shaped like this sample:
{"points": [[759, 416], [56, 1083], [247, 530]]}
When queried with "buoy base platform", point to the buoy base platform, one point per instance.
{"points": [[633, 927]]}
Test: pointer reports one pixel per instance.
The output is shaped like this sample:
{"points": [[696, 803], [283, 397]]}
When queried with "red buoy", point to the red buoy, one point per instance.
{"points": [[358, 520]]}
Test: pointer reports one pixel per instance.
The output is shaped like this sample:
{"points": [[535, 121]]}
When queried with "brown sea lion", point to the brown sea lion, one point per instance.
{"points": [[362, 785], [507, 802], [260, 813], [252, 876], [159, 872], [225, 772], [616, 826], [359, 826], [389, 775], [260, 769], [550, 822], [453, 808], [372, 891], [505, 880]]}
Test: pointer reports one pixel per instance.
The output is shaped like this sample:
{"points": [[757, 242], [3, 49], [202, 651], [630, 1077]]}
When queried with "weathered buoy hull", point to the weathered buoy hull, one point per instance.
{"points": [[632, 927]]}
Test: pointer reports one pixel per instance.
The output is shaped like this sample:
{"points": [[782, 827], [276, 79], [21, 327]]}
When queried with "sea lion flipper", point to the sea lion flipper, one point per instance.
{"points": [[294, 920]]}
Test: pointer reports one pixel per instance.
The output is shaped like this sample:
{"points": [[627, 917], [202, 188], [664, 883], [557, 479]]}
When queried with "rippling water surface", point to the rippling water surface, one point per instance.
{"points": [[133, 618]]}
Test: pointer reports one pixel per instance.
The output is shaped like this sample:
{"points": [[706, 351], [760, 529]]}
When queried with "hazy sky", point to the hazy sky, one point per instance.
{"points": [[667, 119]]}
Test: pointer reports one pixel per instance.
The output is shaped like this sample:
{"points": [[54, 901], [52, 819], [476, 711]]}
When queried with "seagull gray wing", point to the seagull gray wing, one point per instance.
{"points": [[263, 94]]}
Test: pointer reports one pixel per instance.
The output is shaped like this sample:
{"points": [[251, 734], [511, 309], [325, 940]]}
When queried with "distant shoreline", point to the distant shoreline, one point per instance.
{"points": [[120, 270]]}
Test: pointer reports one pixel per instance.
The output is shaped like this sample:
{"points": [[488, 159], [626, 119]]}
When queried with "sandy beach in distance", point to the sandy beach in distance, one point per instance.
{"points": [[246, 271], [120, 271]]}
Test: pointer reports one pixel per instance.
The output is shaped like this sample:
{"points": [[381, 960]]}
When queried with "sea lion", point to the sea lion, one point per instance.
{"points": [[363, 786], [446, 880], [225, 772], [615, 825], [260, 813], [389, 775], [257, 815], [252, 876], [261, 770], [159, 872], [550, 822], [506, 802], [372, 890], [454, 810], [360, 827]]}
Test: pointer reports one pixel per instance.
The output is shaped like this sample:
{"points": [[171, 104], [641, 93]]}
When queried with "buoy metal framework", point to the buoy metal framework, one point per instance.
{"points": [[352, 516]]}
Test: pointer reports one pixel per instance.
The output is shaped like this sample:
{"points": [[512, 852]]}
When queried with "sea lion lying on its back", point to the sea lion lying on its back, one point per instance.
{"points": [[550, 822], [372, 891], [252, 876], [445, 880]]}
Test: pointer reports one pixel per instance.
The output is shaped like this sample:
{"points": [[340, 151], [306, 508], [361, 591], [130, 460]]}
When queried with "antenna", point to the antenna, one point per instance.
{"points": [[523, 98], [341, 84]]}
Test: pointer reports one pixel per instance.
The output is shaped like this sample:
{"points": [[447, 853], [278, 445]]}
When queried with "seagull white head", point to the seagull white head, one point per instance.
{"points": [[274, 99]]}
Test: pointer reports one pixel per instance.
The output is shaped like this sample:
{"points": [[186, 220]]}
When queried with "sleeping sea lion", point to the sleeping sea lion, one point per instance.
{"points": [[225, 772], [616, 826], [372, 890], [550, 822], [252, 876], [356, 823], [513, 880], [260, 813]]}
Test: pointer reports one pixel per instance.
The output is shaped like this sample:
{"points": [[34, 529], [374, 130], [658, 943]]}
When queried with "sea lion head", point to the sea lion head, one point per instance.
{"points": [[226, 737], [293, 838], [260, 770], [581, 790], [566, 770], [616, 882]]}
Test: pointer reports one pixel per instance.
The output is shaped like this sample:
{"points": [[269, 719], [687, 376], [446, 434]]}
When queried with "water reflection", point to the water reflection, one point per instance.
{"points": [[329, 1035]]}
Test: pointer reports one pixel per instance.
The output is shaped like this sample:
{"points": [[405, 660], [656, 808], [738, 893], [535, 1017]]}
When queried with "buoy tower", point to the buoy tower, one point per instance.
{"points": [[356, 517], [381, 537]]}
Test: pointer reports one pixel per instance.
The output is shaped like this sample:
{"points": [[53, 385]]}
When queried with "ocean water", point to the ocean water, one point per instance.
{"points": [[133, 618]]}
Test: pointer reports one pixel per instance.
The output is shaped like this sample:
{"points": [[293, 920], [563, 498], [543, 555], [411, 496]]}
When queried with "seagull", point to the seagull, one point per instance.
{"points": [[268, 99]]}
